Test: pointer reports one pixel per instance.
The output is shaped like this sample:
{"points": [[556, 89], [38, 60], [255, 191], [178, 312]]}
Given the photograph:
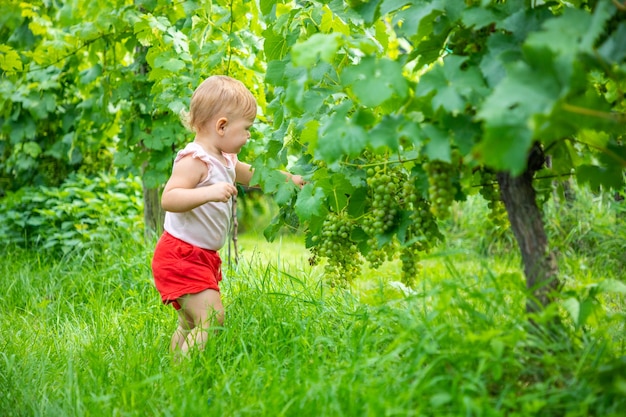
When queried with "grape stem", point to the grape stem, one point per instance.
{"points": [[545, 177], [616, 117], [374, 164], [620, 6]]}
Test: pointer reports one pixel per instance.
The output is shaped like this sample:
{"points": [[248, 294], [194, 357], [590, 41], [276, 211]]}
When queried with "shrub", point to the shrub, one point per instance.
{"points": [[83, 212]]}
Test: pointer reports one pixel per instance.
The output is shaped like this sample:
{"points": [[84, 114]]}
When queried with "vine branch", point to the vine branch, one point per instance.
{"points": [[616, 117], [74, 52]]}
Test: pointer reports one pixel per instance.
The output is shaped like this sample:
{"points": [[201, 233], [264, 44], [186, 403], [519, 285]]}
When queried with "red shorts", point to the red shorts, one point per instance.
{"points": [[180, 268]]}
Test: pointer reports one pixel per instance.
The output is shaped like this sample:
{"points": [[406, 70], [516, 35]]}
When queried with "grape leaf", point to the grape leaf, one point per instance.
{"points": [[453, 86], [524, 89], [275, 45], [502, 50], [310, 202], [613, 49], [417, 21], [275, 73], [438, 145], [319, 46], [478, 17], [285, 192], [169, 63], [562, 33], [375, 81], [504, 147], [368, 10]]}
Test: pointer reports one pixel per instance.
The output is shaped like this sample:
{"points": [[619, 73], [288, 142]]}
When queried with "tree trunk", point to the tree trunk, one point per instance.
{"points": [[153, 213], [540, 266]]}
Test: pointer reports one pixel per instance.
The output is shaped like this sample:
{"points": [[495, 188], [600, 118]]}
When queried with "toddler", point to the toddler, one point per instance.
{"points": [[197, 200]]}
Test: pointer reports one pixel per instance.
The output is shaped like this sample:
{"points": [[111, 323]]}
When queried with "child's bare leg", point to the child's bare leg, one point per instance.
{"points": [[202, 310], [180, 334]]}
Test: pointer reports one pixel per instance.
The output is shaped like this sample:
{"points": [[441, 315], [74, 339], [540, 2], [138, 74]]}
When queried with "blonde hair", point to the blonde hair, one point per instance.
{"points": [[218, 95]]}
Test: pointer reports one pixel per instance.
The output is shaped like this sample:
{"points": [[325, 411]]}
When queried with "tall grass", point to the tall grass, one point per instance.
{"points": [[86, 335]]}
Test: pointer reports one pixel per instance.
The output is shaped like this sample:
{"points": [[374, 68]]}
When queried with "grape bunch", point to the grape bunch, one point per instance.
{"points": [[425, 225], [411, 267], [421, 235], [384, 184], [490, 191], [441, 189], [376, 254], [334, 244]]}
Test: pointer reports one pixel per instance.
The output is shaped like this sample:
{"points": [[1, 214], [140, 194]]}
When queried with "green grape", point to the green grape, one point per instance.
{"points": [[335, 245], [441, 189], [410, 260], [385, 186], [426, 225], [490, 191], [422, 233]]}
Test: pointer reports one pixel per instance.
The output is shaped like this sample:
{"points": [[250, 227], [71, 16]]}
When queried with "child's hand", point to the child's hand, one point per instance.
{"points": [[222, 191], [297, 179]]}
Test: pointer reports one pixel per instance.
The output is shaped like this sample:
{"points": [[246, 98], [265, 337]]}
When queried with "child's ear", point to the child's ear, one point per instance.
{"points": [[220, 125]]}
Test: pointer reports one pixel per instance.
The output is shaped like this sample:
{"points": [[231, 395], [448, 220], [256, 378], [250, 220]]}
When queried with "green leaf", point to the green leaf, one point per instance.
{"points": [[169, 63], [562, 34], [523, 93], [285, 192], [579, 311], [310, 202], [275, 73], [612, 286], [339, 136], [503, 49], [322, 46], [417, 19], [275, 45], [385, 134], [375, 81], [176, 106], [505, 147], [32, 149], [90, 75], [613, 49], [367, 9], [439, 399], [267, 6], [453, 86], [10, 61], [611, 176], [438, 145], [332, 23], [572, 306], [478, 17]]}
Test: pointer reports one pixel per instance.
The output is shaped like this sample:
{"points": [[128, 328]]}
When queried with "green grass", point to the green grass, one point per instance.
{"points": [[86, 335]]}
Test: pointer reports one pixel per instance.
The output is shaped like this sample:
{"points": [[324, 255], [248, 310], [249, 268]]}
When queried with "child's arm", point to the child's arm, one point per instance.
{"points": [[180, 193], [244, 173]]}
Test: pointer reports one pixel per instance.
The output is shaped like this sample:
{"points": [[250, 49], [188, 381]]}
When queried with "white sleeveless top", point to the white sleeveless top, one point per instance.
{"points": [[205, 226]]}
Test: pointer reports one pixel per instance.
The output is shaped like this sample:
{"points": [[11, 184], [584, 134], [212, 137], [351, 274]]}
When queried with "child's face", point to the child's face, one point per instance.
{"points": [[236, 134]]}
